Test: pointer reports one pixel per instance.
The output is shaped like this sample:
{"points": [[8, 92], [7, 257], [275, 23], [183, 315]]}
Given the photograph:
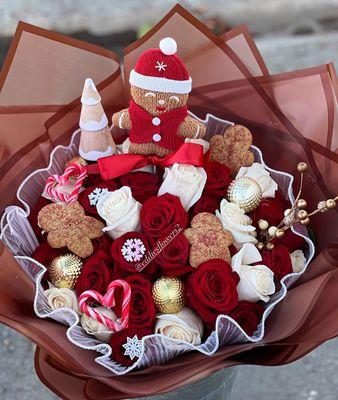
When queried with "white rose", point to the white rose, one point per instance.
{"points": [[256, 281], [62, 297], [120, 211], [298, 261], [184, 325], [237, 223], [95, 328], [258, 173], [204, 143], [184, 181]]}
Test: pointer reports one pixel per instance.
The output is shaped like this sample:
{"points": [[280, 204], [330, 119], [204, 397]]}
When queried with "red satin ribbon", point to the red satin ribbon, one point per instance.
{"points": [[120, 164]]}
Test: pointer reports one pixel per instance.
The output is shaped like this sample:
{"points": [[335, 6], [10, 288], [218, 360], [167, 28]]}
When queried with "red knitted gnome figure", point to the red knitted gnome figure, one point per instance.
{"points": [[157, 115]]}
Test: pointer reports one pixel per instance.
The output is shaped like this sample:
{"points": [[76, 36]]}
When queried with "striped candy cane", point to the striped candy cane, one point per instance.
{"points": [[76, 169], [108, 301], [124, 320]]}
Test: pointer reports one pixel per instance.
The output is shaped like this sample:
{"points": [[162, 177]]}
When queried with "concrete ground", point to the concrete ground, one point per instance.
{"points": [[307, 36], [312, 378]]}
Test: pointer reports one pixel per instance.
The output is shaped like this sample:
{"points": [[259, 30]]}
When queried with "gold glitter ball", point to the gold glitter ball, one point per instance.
{"points": [[302, 214], [279, 233], [305, 221], [168, 295], [76, 159], [302, 167], [64, 270], [260, 246], [269, 246], [245, 192], [301, 203], [330, 203], [263, 224]]}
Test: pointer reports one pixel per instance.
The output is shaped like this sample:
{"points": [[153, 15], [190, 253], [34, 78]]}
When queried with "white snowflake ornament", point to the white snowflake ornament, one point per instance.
{"points": [[95, 195], [133, 250], [133, 347]]}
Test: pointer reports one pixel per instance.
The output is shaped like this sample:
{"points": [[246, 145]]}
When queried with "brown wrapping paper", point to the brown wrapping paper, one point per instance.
{"points": [[294, 113]]}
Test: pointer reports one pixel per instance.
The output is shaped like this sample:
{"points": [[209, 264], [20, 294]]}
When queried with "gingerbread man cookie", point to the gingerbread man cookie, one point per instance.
{"points": [[68, 226], [232, 148], [158, 116], [208, 239]]}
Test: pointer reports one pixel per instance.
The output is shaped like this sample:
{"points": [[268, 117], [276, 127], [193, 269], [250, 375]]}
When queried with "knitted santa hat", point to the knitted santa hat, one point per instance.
{"points": [[161, 70]]}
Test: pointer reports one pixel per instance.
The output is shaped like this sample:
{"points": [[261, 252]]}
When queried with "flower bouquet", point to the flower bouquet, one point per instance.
{"points": [[163, 237]]}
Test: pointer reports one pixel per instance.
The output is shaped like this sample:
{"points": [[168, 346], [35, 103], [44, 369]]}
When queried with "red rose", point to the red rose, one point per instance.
{"points": [[45, 254], [271, 210], [119, 135], [173, 258], [218, 179], [118, 339], [128, 253], [142, 306], [291, 241], [278, 260], [103, 243], [142, 184], [212, 290], [233, 250], [93, 179], [207, 203], [33, 218], [248, 315], [163, 215], [89, 204], [96, 274]]}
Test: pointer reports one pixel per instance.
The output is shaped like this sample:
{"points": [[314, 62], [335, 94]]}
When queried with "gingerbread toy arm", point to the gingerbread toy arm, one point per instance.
{"points": [[191, 128], [121, 119]]}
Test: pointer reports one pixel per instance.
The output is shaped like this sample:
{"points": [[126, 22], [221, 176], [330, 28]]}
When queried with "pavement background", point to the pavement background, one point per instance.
{"points": [[312, 378], [290, 34]]}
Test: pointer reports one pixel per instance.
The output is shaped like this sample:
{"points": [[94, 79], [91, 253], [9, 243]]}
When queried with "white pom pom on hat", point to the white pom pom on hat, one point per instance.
{"points": [[161, 70], [168, 46]]}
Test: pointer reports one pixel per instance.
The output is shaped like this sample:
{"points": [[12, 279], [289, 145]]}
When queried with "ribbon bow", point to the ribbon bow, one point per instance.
{"points": [[116, 165]]}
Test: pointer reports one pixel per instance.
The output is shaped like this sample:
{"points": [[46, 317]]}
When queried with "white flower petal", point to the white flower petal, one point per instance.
{"points": [[120, 211], [235, 221], [258, 173], [184, 325], [298, 260], [62, 297], [95, 328], [184, 181]]}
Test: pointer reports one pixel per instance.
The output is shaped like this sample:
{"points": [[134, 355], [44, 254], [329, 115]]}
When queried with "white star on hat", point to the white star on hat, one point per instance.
{"points": [[160, 66]]}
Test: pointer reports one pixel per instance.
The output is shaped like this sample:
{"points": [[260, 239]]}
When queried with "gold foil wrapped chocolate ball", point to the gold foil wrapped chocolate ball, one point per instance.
{"points": [[168, 295], [64, 270], [245, 192]]}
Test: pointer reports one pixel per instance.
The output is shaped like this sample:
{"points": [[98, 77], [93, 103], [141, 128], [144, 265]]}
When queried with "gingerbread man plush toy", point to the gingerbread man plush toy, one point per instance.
{"points": [[158, 115]]}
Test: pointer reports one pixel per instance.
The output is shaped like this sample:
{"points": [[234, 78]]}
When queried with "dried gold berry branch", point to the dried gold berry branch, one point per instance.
{"points": [[292, 216]]}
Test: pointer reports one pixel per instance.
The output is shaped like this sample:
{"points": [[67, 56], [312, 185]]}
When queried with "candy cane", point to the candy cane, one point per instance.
{"points": [[108, 301], [74, 169], [125, 301]]}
